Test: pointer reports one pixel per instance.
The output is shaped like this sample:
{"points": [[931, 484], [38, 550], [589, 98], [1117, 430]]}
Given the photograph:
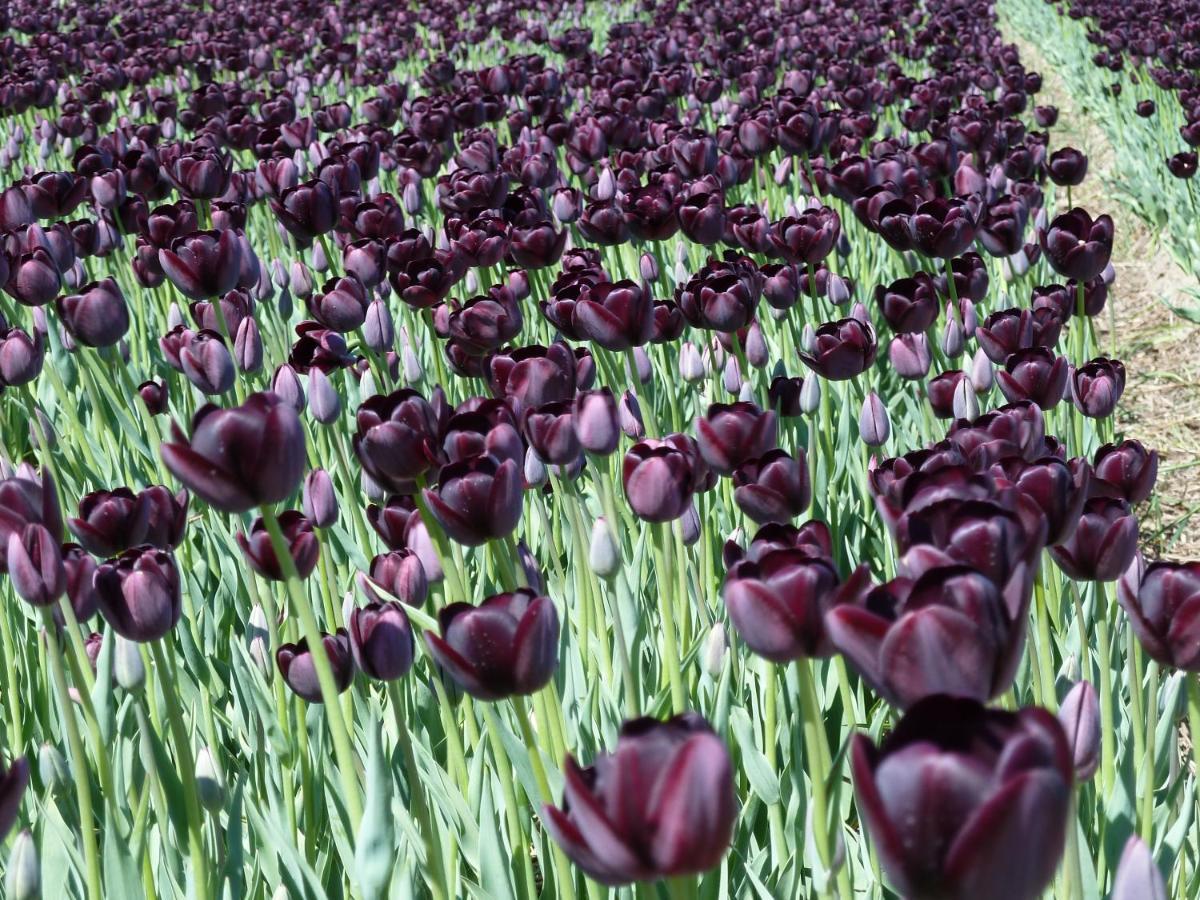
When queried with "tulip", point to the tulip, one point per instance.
{"points": [[616, 316], [97, 316], [942, 228], [596, 421], [722, 296], [381, 640], [1080, 718], [307, 210], [1125, 471], [534, 375], [27, 499], [1058, 487], [908, 305], [773, 487], [909, 355], [203, 264], [138, 593], [1067, 167], [341, 305], [1078, 246], [808, 238], [660, 805], [34, 278], [1162, 600], [318, 499], [402, 575], [729, 435], [396, 439], [299, 670], [477, 499], [111, 522], [941, 390], [325, 403], [167, 519], [949, 808], [12, 789], [874, 424], [1097, 386], [508, 645], [659, 480], [207, 363], [1035, 374], [242, 457], [1103, 543], [1137, 877], [947, 631], [302, 546], [35, 566], [21, 357], [842, 349]]}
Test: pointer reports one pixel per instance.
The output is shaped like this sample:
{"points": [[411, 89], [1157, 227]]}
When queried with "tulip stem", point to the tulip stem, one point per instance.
{"points": [[329, 693], [1107, 745], [1148, 779], [562, 868], [667, 614], [187, 768], [681, 888], [516, 833], [434, 868], [79, 767], [1045, 655], [771, 752], [816, 750]]}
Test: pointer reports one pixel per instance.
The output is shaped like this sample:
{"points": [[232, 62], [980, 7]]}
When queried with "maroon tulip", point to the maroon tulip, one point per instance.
{"points": [[1103, 544], [35, 566], [940, 392], [808, 238], [534, 375], [299, 670], [111, 522], [616, 316], [396, 439], [506, 646], [731, 434], [778, 603], [1035, 374], [908, 305], [662, 804], [1163, 603], [81, 586], [97, 316], [302, 545], [957, 792], [34, 278], [659, 479], [307, 210], [1059, 488], [550, 431], [27, 498], [477, 499], [773, 488], [401, 574], [842, 349], [942, 228], [381, 640], [1078, 246], [486, 322], [21, 357], [1005, 332], [1126, 471], [206, 361], [722, 296], [139, 594], [242, 457], [947, 631], [341, 305], [203, 264], [1067, 167], [909, 355], [1097, 387]]}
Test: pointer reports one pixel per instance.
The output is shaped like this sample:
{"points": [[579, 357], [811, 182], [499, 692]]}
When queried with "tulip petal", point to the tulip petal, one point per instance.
{"points": [[937, 650], [209, 483], [695, 822]]}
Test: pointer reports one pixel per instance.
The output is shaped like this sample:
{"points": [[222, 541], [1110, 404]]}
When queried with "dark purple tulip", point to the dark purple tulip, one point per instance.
{"points": [[139, 595], [402, 575], [616, 316], [702, 217], [773, 488], [947, 631], [940, 392], [596, 421], [908, 305], [381, 640], [781, 285], [970, 279], [1005, 332], [731, 434], [784, 395], [909, 355], [722, 296], [307, 210], [341, 305], [33, 279], [659, 480], [1126, 471], [1067, 167], [842, 349], [1035, 374], [396, 439], [318, 500], [957, 793], [662, 804], [299, 671], [200, 174], [207, 362], [242, 457], [168, 516], [778, 603], [1163, 603], [506, 646], [1079, 715], [27, 498], [942, 228], [550, 431], [808, 238], [12, 788], [203, 264], [477, 499], [35, 566], [302, 545], [81, 586], [1059, 488], [1097, 387], [534, 375], [111, 522], [1103, 544], [486, 322], [1183, 165], [21, 356], [1078, 246]]}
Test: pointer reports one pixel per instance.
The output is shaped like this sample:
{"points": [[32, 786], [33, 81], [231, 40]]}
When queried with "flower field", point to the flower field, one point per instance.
{"points": [[587, 450]]}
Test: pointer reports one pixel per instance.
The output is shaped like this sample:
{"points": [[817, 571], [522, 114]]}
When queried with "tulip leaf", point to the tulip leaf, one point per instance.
{"points": [[495, 873], [763, 781], [1174, 839], [1164, 732], [295, 872], [102, 693], [121, 874], [375, 853]]}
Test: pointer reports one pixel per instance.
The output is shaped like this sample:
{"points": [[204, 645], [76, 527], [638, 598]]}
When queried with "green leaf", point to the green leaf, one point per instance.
{"points": [[121, 871], [494, 870], [375, 850], [763, 781]]}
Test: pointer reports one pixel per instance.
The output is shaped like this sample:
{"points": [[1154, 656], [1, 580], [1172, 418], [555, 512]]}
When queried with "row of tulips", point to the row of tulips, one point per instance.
{"points": [[437, 393]]}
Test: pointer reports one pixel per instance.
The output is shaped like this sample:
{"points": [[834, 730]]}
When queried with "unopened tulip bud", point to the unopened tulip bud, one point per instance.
{"points": [[965, 404], [732, 377], [52, 767], [257, 636], [413, 372], [716, 645], [318, 500], [128, 666], [689, 525], [535, 469], [648, 267], [286, 385], [319, 261], [301, 280], [808, 338], [874, 425], [1080, 718], [210, 787], [378, 331], [691, 364], [23, 879], [859, 311], [1138, 877], [606, 186], [952, 338], [324, 402], [810, 395], [604, 556], [629, 414], [982, 374], [757, 353], [248, 346]]}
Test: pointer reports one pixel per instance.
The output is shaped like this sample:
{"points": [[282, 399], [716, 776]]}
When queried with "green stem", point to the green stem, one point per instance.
{"points": [[1107, 737], [79, 767], [516, 833], [816, 751], [771, 752], [667, 613], [1148, 781], [434, 869], [562, 868]]}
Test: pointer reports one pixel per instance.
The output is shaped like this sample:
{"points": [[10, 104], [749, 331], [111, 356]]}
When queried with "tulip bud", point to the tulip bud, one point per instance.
{"points": [[691, 365], [52, 767], [35, 565], [378, 331], [874, 425], [301, 281], [982, 374], [604, 555], [128, 667], [210, 787], [648, 267], [965, 404], [23, 880], [1080, 718], [952, 337], [324, 402], [1138, 878], [757, 353], [257, 637], [248, 346], [629, 413], [286, 385], [535, 472], [318, 500], [716, 645], [810, 395], [732, 378]]}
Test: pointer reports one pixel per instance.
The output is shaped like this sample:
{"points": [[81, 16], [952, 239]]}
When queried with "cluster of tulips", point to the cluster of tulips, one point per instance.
{"points": [[1134, 65], [542, 450]]}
